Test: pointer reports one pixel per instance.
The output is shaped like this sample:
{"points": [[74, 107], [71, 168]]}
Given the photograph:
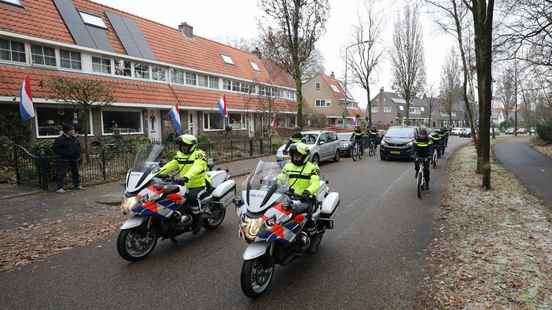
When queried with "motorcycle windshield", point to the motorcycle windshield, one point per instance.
{"points": [[265, 176], [148, 157]]}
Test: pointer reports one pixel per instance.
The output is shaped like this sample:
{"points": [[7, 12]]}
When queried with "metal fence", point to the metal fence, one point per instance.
{"points": [[104, 166]]}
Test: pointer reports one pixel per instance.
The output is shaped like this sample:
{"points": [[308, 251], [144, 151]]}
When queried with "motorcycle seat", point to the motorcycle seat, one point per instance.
{"points": [[300, 208]]}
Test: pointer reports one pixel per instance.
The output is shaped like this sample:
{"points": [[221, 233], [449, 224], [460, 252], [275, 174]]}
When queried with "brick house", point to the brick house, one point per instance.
{"points": [[389, 109], [151, 68], [326, 95]]}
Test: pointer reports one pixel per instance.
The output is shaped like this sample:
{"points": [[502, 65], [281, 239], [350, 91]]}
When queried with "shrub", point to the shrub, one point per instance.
{"points": [[505, 125], [43, 148], [544, 130], [203, 138]]}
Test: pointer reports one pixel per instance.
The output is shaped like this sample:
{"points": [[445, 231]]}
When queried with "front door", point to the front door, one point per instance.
{"points": [[154, 126]]}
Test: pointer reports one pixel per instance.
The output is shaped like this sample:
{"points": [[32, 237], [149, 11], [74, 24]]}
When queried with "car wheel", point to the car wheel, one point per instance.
{"points": [[337, 156], [382, 157], [316, 159]]}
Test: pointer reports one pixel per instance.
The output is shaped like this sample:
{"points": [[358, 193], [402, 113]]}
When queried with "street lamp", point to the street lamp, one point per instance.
{"points": [[347, 66]]}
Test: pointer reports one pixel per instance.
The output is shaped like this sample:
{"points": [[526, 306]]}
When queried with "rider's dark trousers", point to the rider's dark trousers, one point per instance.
{"points": [[426, 168]]}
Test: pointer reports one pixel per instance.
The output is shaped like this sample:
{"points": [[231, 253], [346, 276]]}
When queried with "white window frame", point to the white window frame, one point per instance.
{"points": [[203, 118], [192, 74], [10, 50], [153, 68], [38, 136], [116, 62], [325, 105], [12, 2], [43, 55], [387, 109], [375, 109], [148, 78], [243, 122], [123, 110], [92, 20], [71, 61], [175, 73], [102, 58], [227, 59], [255, 66]]}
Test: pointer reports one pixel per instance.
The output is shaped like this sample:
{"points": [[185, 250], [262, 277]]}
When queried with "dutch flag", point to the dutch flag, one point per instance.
{"points": [[175, 118], [26, 109], [222, 106]]}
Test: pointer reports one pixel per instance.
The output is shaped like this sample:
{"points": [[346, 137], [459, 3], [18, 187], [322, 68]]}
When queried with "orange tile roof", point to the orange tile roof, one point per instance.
{"points": [[133, 91], [40, 18], [333, 81]]}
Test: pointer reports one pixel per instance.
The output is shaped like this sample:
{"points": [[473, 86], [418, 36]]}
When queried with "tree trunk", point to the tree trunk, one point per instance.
{"points": [[407, 112], [369, 108], [299, 90]]}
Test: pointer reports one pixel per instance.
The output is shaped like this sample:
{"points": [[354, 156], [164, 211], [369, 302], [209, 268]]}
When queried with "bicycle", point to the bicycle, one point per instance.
{"points": [[435, 159], [421, 184], [371, 149], [356, 152]]}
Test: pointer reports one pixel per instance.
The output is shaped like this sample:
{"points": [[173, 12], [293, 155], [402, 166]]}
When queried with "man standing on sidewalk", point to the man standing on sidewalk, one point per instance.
{"points": [[67, 148]]}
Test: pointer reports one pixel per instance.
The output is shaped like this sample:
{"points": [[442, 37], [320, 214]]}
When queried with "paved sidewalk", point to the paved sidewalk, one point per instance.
{"points": [[531, 167], [43, 207]]}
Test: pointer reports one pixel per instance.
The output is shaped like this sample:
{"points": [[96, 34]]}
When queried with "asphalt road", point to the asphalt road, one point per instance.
{"points": [[372, 260], [531, 167]]}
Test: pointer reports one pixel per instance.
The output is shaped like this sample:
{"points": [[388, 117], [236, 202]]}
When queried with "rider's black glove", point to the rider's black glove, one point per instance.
{"points": [[181, 181], [306, 195]]}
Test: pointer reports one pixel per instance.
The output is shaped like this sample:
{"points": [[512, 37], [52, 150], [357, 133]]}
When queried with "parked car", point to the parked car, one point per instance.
{"points": [[465, 133], [456, 131], [345, 143], [509, 131], [323, 144], [532, 131], [522, 131], [398, 142]]}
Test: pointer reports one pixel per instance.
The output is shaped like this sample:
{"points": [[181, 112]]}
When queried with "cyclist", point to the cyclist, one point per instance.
{"points": [[437, 139], [445, 133], [356, 137], [373, 136], [424, 150]]}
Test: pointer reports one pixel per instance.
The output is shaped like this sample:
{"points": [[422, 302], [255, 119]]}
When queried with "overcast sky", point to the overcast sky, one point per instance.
{"points": [[222, 19]]}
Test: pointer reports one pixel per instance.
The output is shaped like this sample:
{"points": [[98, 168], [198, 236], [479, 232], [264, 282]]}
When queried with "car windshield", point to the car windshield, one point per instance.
{"points": [[309, 138], [344, 136], [398, 132]]}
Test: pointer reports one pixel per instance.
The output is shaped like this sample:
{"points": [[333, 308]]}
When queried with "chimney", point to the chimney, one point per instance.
{"points": [[332, 75], [186, 29]]}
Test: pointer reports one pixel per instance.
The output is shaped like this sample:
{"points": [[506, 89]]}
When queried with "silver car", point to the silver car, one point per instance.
{"points": [[323, 145]]}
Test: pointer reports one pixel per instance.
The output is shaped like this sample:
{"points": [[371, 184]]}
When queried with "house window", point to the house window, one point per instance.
{"points": [[70, 59], [375, 109], [49, 121], [245, 87], [101, 65], [14, 2], [124, 122], [191, 78], [213, 82], [227, 59], [227, 84], [322, 103], [453, 114], [317, 86], [158, 73], [213, 121], [12, 51], [422, 109], [237, 121], [93, 20], [401, 108], [387, 109], [123, 67], [43, 55], [235, 86], [178, 76], [254, 66], [262, 91], [141, 71], [202, 80]]}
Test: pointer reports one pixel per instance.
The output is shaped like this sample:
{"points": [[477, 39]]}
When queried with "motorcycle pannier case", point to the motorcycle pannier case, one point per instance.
{"points": [[329, 205], [224, 193]]}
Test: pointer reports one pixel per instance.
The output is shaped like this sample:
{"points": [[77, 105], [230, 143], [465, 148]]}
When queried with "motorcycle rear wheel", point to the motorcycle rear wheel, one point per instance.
{"points": [[256, 276], [315, 243], [218, 217], [136, 243]]}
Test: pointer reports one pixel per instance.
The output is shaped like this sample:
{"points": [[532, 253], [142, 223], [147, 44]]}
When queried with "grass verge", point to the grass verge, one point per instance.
{"points": [[491, 250]]}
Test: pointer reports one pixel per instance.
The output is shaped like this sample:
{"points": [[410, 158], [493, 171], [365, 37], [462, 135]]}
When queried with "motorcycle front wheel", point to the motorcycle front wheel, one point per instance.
{"points": [[136, 243], [256, 276], [216, 218]]}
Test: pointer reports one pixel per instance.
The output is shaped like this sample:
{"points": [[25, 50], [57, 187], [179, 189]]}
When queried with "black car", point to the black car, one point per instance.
{"points": [[398, 142]]}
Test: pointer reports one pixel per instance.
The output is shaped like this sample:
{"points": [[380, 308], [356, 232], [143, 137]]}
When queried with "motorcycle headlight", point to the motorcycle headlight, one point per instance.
{"points": [[251, 227], [129, 203]]}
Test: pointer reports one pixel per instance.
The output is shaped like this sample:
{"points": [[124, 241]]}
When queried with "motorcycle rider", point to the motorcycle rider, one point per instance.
{"points": [[424, 150], [295, 138], [302, 176], [190, 163]]}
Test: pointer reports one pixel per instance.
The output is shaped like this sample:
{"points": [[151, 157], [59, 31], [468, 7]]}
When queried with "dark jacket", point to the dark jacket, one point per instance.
{"points": [[424, 148], [67, 147]]}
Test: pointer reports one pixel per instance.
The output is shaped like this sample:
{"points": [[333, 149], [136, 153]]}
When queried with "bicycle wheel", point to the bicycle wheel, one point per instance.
{"points": [[354, 152], [419, 183], [434, 160]]}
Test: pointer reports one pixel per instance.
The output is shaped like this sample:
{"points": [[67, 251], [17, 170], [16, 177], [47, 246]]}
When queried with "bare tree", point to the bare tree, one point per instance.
{"points": [[450, 83], [81, 94], [482, 12], [408, 56], [456, 24], [432, 103], [291, 37], [505, 92], [366, 55]]}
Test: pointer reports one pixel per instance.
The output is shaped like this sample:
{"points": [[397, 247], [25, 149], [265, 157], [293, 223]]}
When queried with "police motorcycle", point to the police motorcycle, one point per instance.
{"points": [[157, 205], [272, 222]]}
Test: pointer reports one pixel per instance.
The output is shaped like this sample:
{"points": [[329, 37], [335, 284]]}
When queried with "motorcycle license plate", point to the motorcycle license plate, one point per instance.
{"points": [[395, 152]]}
